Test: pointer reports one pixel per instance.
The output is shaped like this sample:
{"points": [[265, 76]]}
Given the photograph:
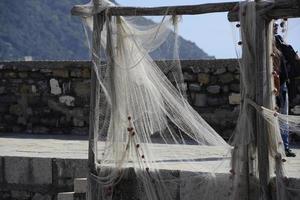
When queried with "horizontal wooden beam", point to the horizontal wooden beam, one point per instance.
{"points": [[281, 9], [85, 10]]}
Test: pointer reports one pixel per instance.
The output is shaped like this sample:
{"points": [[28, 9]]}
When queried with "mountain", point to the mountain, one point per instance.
{"points": [[45, 30]]}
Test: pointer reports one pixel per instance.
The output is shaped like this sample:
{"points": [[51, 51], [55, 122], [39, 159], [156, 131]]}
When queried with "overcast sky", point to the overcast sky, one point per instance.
{"points": [[212, 32]]}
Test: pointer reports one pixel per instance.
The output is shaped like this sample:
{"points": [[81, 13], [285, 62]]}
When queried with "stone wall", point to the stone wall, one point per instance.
{"points": [[53, 97]]}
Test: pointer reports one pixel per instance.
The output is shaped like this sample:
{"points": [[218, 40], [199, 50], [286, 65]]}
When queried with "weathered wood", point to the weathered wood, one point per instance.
{"points": [[261, 125], [95, 93], [281, 9], [83, 10]]}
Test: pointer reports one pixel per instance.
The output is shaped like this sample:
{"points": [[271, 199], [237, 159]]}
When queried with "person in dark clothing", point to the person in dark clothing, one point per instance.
{"points": [[285, 62]]}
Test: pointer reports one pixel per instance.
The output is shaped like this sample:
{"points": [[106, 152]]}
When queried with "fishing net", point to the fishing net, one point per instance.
{"points": [[151, 135]]}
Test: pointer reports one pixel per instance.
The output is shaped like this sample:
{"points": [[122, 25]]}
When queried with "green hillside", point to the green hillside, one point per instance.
{"points": [[45, 30]]}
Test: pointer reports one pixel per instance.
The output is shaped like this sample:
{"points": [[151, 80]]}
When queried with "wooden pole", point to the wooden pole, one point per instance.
{"points": [[261, 125], [154, 11], [282, 8], [98, 21]]}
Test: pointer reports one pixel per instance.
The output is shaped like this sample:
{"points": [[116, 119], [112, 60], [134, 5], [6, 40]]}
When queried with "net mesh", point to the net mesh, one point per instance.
{"points": [[147, 124]]}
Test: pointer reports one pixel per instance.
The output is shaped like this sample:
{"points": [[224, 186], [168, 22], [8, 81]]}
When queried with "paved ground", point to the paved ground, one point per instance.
{"points": [[214, 159]]}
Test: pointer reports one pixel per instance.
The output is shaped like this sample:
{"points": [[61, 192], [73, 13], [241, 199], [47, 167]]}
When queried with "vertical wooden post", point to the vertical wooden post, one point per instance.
{"points": [[98, 21], [261, 99], [95, 92]]}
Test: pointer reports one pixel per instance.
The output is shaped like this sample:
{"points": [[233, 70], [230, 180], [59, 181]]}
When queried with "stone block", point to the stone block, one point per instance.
{"points": [[54, 86], [200, 100], [76, 73], [80, 185], [217, 101], [8, 99], [195, 69], [37, 75], [78, 122], [22, 170], [220, 70], [296, 100], [30, 81], [82, 88], [63, 73], [52, 122], [195, 87], [214, 89], [43, 86], [234, 98], [47, 71], [234, 87], [34, 100], [79, 112], [296, 110], [232, 68], [237, 77], [23, 74], [203, 79], [213, 80], [2, 90], [188, 77], [86, 73], [21, 120], [16, 81], [226, 78], [33, 89], [25, 89], [10, 75], [17, 128], [10, 118], [40, 130], [225, 88], [67, 100], [16, 109]]}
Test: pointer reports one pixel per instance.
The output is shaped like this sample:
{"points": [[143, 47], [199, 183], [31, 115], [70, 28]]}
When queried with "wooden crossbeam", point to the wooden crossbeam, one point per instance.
{"points": [[83, 10], [281, 9]]}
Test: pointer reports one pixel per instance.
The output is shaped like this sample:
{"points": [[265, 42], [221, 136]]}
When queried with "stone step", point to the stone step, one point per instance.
{"points": [[80, 185]]}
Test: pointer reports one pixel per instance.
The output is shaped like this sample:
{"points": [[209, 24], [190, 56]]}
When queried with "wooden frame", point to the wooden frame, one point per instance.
{"points": [[281, 8]]}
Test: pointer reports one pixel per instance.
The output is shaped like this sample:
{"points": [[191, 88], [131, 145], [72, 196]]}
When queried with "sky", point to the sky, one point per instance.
{"points": [[212, 32]]}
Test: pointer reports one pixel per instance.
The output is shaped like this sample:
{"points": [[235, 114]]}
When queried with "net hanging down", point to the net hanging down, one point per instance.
{"points": [[143, 112]]}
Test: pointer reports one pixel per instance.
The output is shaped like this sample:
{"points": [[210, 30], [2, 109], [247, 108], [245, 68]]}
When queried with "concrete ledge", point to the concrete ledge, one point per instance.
{"points": [[65, 196]]}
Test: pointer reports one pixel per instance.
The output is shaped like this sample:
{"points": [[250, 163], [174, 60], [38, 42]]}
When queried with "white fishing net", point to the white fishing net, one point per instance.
{"points": [[258, 109], [152, 134]]}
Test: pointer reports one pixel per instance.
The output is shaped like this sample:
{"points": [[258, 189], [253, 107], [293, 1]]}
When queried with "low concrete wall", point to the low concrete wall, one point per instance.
{"points": [[53, 96], [26, 178], [38, 178]]}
